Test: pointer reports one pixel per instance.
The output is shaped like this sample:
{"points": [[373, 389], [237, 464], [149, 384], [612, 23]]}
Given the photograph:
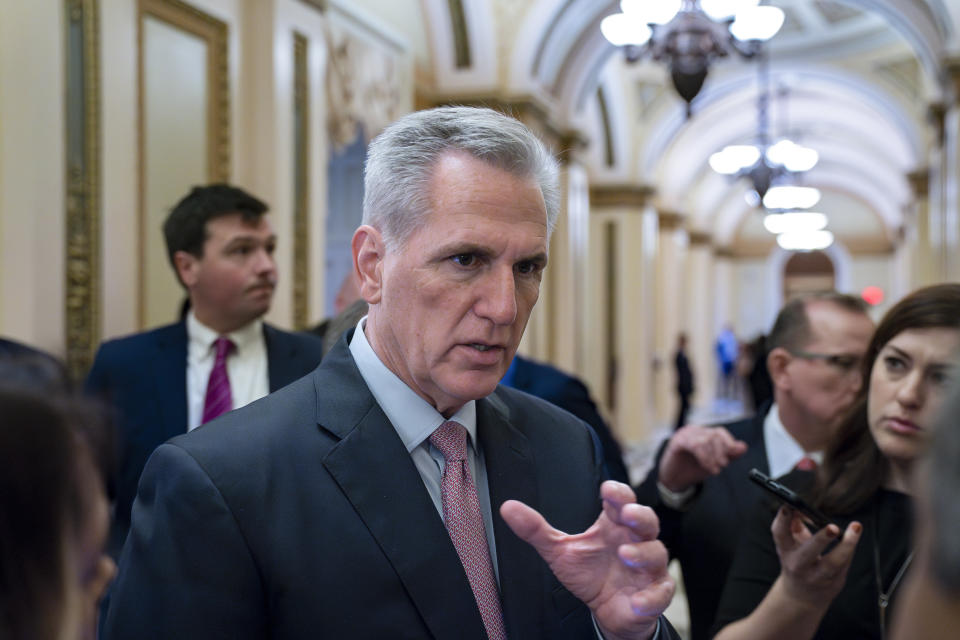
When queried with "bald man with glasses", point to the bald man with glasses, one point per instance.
{"points": [[699, 486]]}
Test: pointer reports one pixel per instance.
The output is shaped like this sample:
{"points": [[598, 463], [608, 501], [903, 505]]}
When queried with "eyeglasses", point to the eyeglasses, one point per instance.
{"points": [[844, 362]]}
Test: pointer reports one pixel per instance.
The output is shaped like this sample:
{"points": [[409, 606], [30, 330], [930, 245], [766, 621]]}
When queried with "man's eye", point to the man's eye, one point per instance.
{"points": [[527, 267], [464, 259], [843, 362]]}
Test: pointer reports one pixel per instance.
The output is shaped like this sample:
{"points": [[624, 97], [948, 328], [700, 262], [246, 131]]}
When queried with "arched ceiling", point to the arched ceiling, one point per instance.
{"points": [[859, 78]]}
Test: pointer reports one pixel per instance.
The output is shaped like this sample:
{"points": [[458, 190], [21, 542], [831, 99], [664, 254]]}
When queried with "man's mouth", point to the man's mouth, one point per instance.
{"points": [[482, 347]]}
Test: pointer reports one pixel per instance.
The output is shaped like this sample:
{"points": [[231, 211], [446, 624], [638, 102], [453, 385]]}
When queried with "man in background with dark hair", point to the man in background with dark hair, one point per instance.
{"points": [[699, 487], [220, 355]]}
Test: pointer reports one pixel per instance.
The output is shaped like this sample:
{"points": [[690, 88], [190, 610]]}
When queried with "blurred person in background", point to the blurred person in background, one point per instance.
{"points": [[842, 581], [699, 486]]}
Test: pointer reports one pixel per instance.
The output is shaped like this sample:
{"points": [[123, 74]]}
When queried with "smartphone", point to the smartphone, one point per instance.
{"points": [[790, 498]]}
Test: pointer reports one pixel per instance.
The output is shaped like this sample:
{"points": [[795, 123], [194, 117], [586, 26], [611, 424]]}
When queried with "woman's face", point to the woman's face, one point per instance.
{"points": [[907, 385], [92, 571]]}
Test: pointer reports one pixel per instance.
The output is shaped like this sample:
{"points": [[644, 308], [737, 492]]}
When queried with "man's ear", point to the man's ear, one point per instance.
{"points": [[187, 267], [777, 361], [369, 251]]}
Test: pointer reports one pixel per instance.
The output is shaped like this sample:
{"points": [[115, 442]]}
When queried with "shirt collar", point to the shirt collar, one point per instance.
{"points": [[412, 416], [783, 452], [203, 336]]}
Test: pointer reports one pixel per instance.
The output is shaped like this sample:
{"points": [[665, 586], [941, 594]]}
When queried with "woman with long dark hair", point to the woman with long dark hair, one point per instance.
{"points": [[54, 513], [841, 581]]}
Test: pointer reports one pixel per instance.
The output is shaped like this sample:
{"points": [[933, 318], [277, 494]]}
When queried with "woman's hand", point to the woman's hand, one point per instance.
{"points": [[807, 574]]}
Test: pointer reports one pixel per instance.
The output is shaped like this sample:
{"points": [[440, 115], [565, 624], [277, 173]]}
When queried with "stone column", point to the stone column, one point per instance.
{"points": [[555, 331], [937, 194], [670, 310], [922, 256], [700, 289], [620, 319]]}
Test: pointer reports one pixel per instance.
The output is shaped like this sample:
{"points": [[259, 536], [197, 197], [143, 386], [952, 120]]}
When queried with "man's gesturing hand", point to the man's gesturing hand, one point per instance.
{"points": [[617, 566], [695, 453]]}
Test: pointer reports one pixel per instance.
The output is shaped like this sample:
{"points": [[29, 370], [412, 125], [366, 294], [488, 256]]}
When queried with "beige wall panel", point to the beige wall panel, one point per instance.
{"points": [[175, 88], [638, 249], [120, 218], [671, 316], [32, 168], [699, 289], [596, 319]]}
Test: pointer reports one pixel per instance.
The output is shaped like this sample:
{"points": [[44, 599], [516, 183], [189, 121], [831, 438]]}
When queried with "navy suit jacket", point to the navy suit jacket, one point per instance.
{"points": [[704, 537], [570, 393], [144, 376], [303, 515]]}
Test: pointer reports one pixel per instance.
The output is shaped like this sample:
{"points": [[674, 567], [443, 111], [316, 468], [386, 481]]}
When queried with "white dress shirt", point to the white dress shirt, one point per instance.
{"points": [[246, 366], [415, 420], [783, 452]]}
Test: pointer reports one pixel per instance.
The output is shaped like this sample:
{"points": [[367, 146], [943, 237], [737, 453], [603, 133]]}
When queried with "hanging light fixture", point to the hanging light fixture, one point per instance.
{"points": [[805, 240], [794, 221], [763, 163], [689, 34]]}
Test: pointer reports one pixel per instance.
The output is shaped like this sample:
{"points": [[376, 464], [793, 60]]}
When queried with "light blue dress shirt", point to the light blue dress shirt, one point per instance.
{"points": [[415, 420]]}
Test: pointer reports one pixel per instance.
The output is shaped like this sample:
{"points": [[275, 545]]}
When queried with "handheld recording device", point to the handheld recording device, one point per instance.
{"points": [[789, 498]]}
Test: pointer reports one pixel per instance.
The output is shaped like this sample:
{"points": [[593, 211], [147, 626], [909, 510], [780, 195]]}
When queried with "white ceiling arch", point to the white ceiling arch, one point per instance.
{"points": [[562, 50]]}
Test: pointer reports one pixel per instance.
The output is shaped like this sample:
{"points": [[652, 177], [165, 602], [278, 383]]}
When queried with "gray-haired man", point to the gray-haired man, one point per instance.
{"points": [[398, 492]]}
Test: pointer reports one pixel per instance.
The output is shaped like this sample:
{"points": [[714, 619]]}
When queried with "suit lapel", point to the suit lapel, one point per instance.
{"points": [[170, 368], [375, 472], [511, 475]]}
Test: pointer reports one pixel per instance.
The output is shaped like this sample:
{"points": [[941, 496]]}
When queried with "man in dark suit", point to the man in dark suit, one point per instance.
{"points": [[684, 380], [220, 244], [699, 486], [571, 394], [392, 493]]}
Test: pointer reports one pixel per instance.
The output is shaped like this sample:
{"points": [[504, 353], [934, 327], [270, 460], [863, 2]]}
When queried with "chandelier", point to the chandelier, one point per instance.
{"points": [[689, 34], [770, 167]]}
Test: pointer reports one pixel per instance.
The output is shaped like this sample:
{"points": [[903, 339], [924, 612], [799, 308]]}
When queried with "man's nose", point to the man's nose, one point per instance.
{"points": [[498, 298], [265, 262]]}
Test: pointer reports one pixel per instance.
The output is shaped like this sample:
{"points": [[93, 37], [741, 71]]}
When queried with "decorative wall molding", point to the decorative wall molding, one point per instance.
{"points": [[670, 220], [82, 287], [698, 237], [461, 35], [363, 88], [214, 33], [919, 182], [937, 117], [633, 196], [301, 182]]}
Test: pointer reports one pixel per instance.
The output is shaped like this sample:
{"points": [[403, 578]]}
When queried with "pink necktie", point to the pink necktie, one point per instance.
{"points": [[461, 514], [218, 400]]}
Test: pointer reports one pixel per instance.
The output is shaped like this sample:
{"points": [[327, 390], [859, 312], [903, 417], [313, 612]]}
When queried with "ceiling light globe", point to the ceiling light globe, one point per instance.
{"points": [[720, 10], [757, 23], [651, 11], [805, 240], [622, 30]]}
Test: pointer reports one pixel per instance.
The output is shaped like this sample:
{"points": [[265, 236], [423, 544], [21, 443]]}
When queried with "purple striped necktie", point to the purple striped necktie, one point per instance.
{"points": [[461, 514], [219, 399]]}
